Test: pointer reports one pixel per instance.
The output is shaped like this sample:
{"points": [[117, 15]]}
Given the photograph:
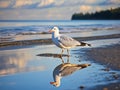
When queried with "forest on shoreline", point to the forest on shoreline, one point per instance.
{"points": [[112, 14]]}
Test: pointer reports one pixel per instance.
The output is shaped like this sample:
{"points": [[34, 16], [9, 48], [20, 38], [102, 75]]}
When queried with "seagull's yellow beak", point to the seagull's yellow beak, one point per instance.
{"points": [[52, 82], [50, 31]]}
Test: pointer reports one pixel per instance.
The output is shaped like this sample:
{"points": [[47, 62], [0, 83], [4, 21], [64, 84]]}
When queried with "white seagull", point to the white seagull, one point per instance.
{"points": [[65, 42]]}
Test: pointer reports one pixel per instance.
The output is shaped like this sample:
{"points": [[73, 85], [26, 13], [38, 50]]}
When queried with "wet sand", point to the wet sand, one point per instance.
{"points": [[108, 56], [49, 41], [112, 86]]}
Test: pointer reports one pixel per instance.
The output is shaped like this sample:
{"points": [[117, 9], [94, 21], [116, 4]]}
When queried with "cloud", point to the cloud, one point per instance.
{"points": [[4, 4], [36, 4], [89, 2], [32, 3], [85, 8], [59, 2], [53, 3], [98, 8], [114, 1], [45, 2], [51, 9], [20, 3], [110, 2], [63, 13], [81, 2]]}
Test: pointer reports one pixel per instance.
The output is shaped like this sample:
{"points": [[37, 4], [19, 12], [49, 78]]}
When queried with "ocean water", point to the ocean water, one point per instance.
{"points": [[13, 28]]}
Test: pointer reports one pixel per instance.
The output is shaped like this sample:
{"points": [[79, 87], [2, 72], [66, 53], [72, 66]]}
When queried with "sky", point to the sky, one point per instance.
{"points": [[51, 9]]}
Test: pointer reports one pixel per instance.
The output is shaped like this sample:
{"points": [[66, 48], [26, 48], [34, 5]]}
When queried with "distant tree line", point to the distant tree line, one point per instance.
{"points": [[112, 14]]}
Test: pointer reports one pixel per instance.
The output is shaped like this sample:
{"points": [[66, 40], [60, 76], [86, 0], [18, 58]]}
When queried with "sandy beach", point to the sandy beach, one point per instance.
{"points": [[107, 56]]}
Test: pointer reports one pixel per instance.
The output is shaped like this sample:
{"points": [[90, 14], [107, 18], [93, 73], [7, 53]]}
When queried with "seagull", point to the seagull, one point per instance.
{"points": [[65, 42]]}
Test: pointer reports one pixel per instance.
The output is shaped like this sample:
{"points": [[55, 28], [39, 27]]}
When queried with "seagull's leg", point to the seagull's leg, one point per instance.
{"points": [[68, 60], [68, 52], [62, 60], [62, 52]]}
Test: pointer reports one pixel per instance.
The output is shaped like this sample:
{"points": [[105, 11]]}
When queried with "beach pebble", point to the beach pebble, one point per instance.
{"points": [[106, 69], [105, 88], [82, 87], [115, 76]]}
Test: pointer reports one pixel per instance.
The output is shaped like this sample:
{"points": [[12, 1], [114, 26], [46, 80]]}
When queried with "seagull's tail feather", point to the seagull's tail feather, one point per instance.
{"points": [[84, 44], [89, 44]]}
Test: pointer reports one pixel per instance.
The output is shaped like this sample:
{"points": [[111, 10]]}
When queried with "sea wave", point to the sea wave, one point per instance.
{"points": [[8, 30], [26, 30]]}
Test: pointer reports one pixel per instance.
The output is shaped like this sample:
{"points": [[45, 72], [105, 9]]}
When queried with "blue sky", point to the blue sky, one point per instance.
{"points": [[51, 9]]}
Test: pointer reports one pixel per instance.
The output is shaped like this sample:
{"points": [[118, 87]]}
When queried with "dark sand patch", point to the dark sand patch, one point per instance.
{"points": [[53, 55], [112, 86], [26, 42], [49, 41], [109, 56]]}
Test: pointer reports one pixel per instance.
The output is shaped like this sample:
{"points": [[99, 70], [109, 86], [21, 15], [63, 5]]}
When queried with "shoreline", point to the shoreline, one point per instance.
{"points": [[108, 56], [49, 41]]}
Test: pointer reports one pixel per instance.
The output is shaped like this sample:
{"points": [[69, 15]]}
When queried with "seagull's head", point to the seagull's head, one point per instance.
{"points": [[55, 84], [55, 29]]}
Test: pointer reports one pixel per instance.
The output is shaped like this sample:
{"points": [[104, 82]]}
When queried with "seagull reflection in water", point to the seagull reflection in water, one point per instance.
{"points": [[65, 69]]}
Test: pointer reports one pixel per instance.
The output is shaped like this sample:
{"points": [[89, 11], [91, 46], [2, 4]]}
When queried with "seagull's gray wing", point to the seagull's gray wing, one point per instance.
{"points": [[68, 41], [69, 70]]}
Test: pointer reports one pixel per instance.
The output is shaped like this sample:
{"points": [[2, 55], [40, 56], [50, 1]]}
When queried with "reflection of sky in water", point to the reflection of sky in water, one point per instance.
{"points": [[14, 61], [24, 70]]}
